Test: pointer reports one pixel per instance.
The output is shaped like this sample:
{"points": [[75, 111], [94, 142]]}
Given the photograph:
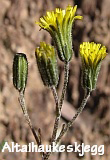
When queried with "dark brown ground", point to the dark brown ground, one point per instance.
{"points": [[19, 33]]}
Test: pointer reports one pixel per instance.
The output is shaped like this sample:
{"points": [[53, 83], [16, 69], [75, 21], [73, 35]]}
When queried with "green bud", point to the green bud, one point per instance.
{"points": [[47, 64], [89, 77], [20, 71]]}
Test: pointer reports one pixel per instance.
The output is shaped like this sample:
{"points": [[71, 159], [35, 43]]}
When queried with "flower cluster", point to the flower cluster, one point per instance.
{"points": [[59, 24]]}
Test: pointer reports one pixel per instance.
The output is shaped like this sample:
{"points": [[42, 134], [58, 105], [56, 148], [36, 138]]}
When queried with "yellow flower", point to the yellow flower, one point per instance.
{"points": [[59, 24], [46, 50], [91, 55], [47, 64], [60, 16]]}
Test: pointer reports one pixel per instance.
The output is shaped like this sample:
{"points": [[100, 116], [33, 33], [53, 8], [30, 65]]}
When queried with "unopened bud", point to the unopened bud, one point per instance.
{"points": [[20, 71], [47, 64]]}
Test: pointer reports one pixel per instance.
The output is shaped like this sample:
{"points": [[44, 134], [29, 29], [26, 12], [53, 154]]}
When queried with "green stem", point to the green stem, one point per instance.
{"points": [[57, 115], [70, 123], [66, 76], [25, 113], [58, 106]]}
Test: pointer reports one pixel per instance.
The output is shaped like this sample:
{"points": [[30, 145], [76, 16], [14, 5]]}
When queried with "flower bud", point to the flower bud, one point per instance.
{"points": [[47, 64], [20, 71]]}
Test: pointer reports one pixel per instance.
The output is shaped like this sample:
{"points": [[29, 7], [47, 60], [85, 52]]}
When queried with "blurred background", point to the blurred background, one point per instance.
{"points": [[19, 33]]}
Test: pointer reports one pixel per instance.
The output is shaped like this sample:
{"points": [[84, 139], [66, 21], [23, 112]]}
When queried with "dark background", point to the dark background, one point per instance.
{"points": [[19, 33]]}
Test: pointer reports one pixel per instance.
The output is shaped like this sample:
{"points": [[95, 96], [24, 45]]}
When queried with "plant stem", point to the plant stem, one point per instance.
{"points": [[58, 105], [57, 119], [66, 76], [57, 114], [70, 123], [25, 113]]}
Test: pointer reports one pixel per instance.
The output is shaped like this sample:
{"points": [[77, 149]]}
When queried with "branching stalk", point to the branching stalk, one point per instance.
{"points": [[58, 105], [70, 123], [57, 119]]}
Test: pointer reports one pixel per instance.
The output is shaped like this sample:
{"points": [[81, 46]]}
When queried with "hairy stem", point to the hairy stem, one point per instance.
{"points": [[70, 123], [66, 76], [25, 113], [54, 134], [57, 114], [58, 105]]}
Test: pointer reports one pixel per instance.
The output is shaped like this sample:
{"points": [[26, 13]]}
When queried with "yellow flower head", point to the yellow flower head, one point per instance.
{"points": [[63, 17], [59, 24], [45, 51], [47, 64], [92, 54]]}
